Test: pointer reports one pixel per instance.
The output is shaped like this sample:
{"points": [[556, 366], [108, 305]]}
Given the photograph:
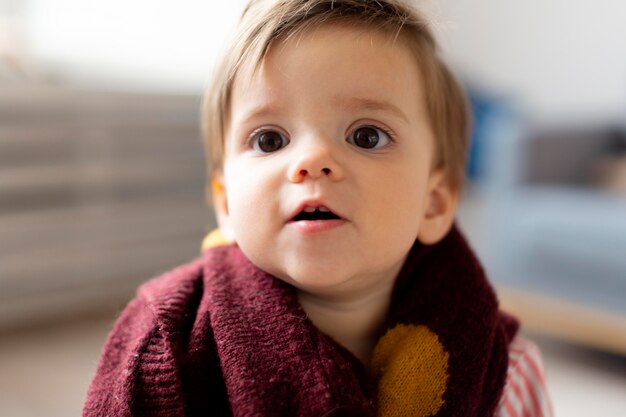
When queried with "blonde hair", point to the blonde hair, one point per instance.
{"points": [[265, 22]]}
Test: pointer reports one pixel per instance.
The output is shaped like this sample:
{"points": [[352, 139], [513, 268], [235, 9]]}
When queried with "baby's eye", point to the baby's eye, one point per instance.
{"points": [[268, 141], [369, 137]]}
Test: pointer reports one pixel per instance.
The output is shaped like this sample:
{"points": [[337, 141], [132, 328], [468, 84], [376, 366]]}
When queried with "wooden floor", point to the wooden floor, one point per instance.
{"points": [[578, 323], [46, 371]]}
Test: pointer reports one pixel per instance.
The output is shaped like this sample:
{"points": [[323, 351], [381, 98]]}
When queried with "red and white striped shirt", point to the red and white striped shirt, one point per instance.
{"points": [[525, 393]]}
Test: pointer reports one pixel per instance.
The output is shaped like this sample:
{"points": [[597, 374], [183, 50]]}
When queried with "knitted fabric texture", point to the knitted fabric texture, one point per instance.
{"points": [[220, 337]]}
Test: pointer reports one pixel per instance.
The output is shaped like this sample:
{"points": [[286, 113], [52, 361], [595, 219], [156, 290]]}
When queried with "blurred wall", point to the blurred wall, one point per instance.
{"points": [[561, 59], [156, 45], [564, 60]]}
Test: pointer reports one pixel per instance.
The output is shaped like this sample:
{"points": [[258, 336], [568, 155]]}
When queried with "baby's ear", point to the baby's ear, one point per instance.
{"points": [[440, 209], [220, 205]]}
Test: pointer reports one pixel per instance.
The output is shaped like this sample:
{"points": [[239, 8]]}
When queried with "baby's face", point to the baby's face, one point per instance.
{"points": [[328, 160]]}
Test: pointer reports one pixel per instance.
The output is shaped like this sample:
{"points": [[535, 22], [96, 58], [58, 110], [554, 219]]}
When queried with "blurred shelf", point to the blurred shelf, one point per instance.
{"points": [[99, 191]]}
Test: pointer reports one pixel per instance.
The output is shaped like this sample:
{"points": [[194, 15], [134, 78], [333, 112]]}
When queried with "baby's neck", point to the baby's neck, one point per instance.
{"points": [[354, 322]]}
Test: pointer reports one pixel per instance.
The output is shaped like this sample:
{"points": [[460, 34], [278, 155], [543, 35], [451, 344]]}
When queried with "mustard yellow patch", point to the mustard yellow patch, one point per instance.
{"points": [[411, 366], [213, 239]]}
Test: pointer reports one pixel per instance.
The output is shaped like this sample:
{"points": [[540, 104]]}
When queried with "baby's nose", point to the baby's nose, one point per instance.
{"points": [[315, 162]]}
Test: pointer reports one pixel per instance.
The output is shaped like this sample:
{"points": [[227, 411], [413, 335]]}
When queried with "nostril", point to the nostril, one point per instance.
{"points": [[300, 174]]}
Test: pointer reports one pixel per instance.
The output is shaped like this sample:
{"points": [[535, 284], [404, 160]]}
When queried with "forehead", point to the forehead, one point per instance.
{"points": [[342, 66]]}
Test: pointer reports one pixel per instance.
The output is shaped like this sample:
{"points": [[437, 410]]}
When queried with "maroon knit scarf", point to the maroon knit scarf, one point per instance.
{"points": [[219, 337]]}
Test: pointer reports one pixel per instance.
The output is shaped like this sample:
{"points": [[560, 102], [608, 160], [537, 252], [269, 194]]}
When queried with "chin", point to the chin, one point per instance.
{"points": [[314, 279]]}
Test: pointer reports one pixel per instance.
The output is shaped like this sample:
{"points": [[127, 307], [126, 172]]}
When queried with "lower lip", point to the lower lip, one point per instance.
{"points": [[316, 226]]}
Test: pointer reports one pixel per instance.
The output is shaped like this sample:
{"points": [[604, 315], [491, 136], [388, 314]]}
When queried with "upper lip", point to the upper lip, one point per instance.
{"points": [[316, 204]]}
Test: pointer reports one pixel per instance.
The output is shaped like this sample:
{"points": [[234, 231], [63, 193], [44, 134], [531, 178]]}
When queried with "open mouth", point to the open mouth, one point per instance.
{"points": [[315, 213]]}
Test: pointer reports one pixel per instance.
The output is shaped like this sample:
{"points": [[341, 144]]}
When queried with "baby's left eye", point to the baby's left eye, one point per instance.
{"points": [[369, 137]]}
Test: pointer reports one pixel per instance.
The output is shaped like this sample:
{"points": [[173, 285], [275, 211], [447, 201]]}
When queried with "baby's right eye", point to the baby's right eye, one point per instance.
{"points": [[268, 141]]}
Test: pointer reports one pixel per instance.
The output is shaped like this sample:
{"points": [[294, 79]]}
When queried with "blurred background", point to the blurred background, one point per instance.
{"points": [[102, 177]]}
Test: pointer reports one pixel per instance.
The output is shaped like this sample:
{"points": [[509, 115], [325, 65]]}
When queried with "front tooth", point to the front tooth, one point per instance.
{"points": [[309, 209], [323, 209]]}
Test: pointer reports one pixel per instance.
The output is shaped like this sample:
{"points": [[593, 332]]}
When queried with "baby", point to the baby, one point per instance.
{"points": [[337, 283]]}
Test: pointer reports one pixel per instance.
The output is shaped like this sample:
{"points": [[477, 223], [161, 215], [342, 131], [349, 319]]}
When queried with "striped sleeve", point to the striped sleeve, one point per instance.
{"points": [[525, 393]]}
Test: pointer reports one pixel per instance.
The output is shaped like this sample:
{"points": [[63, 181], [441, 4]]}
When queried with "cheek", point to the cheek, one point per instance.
{"points": [[241, 200], [399, 197], [402, 189], [249, 195]]}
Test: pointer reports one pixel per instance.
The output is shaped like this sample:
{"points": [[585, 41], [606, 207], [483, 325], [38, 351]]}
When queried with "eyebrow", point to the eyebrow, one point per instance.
{"points": [[261, 110], [360, 103], [349, 103]]}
